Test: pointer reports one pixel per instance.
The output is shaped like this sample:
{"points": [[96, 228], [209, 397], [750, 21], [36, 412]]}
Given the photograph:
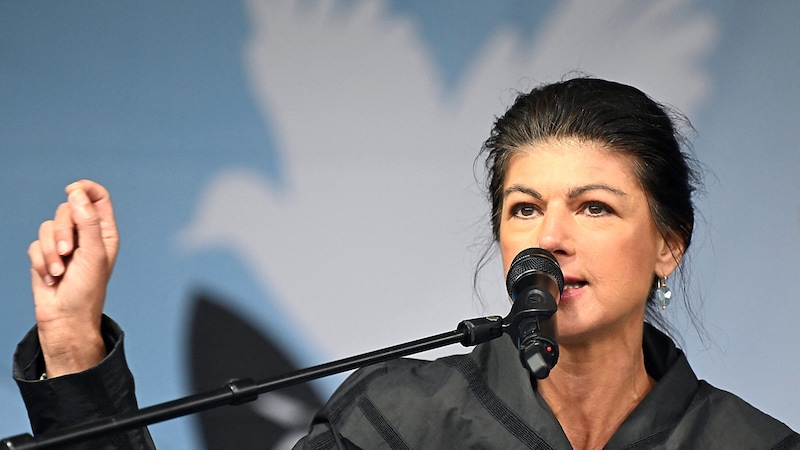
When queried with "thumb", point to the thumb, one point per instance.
{"points": [[93, 216], [87, 222]]}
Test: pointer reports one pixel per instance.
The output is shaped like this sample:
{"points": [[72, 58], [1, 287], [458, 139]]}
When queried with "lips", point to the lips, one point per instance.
{"points": [[571, 288]]}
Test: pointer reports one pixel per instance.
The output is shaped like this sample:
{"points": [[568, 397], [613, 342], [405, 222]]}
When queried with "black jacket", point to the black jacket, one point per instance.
{"points": [[479, 401], [488, 400]]}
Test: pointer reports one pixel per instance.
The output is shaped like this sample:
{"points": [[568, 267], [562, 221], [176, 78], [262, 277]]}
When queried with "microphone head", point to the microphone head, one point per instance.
{"points": [[532, 261]]}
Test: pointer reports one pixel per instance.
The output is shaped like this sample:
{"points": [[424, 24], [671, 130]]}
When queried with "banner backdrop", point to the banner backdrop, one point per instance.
{"points": [[295, 181]]}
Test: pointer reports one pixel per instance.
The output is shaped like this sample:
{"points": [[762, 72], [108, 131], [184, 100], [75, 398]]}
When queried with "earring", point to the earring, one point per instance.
{"points": [[663, 294]]}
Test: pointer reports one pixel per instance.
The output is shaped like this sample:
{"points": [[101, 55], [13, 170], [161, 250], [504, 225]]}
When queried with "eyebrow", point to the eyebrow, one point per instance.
{"points": [[574, 192], [525, 190]]}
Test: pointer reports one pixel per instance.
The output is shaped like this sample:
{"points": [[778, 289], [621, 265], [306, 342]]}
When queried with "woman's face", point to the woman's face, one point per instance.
{"points": [[583, 204]]}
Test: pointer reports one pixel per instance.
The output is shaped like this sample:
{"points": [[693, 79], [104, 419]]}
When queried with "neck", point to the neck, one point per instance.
{"points": [[595, 387]]}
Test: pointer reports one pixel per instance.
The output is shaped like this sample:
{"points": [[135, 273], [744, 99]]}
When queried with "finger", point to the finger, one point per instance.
{"points": [[64, 230], [47, 244], [101, 201], [87, 222], [39, 273], [99, 197]]}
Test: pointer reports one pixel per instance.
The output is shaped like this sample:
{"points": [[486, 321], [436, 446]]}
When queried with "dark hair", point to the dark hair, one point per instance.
{"points": [[621, 118]]}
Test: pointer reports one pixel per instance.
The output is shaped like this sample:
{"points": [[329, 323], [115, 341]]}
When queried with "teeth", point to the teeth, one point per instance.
{"points": [[573, 285]]}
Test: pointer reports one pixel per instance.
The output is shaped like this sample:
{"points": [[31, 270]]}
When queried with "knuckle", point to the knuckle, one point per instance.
{"points": [[45, 226], [33, 248], [63, 207]]}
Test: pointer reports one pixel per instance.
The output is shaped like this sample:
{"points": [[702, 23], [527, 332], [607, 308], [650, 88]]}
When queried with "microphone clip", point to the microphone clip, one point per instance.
{"points": [[531, 326]]}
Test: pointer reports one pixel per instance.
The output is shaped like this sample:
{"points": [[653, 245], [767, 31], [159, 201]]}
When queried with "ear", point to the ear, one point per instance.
{"points": [[670, 253]]}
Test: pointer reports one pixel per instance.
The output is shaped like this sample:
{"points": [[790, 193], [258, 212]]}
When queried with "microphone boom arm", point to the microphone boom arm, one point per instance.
{"points": [[468, 333]]}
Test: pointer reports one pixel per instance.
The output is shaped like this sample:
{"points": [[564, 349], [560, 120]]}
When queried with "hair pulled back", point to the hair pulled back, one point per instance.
{"points": [[622, 119]]}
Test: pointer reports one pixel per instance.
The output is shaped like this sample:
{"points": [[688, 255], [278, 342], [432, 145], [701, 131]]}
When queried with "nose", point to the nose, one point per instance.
{"points": [[555, 231]]}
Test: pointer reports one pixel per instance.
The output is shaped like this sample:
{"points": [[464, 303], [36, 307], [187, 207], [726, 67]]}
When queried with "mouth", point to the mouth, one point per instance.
{"points": [[572, 288]]}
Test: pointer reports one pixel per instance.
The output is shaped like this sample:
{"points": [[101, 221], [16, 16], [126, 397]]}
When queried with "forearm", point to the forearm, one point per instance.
{"points": [[103, 390]]}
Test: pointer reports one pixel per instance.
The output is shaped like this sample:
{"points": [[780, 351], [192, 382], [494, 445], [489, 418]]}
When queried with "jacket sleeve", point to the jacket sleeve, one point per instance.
{"points": [[101, 391]]}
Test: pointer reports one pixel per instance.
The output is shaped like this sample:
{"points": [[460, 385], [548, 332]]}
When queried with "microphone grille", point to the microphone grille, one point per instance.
{"points": [[534, 260]]}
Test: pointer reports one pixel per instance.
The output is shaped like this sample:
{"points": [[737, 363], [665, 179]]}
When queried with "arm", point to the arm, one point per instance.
{"points": [[71, 367], [71, 264]]}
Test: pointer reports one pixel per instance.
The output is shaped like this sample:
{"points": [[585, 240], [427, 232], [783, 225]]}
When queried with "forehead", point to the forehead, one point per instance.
{"points": [[569, 161]]}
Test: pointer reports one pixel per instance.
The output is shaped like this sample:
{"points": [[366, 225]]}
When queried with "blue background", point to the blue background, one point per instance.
{"points": [[159, 101]]}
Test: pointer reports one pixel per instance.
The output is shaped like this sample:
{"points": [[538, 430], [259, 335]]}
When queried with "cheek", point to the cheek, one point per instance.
{"points": [[509, 248], [631, 263], [506, 253]]}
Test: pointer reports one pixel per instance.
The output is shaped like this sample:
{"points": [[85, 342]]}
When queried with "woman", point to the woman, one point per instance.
{"points": [[587, 169]]}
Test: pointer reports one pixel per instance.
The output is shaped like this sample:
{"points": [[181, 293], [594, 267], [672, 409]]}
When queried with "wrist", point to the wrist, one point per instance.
{"points": [[72, 351]]}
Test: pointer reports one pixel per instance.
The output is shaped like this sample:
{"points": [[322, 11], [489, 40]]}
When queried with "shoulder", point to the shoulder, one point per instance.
{"points": [[480, 400], [364, 410], [414, 381], [493, 365], [717, 418]]}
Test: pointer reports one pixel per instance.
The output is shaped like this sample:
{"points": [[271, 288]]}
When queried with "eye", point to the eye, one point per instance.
{"points": [[597, 209], [523, 210]]}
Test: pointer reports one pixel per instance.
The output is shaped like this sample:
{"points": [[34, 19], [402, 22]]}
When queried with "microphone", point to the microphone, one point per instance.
{"points": [[534, 283]]}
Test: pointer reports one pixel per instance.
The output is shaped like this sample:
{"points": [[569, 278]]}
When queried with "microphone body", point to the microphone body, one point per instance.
{"points": [[534, 283]]}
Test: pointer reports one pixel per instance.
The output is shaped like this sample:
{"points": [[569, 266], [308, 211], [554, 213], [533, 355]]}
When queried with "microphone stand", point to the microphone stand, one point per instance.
{"points": [[468, 333]]}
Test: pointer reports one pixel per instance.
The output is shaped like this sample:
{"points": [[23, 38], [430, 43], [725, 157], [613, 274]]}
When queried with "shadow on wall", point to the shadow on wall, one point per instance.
{"points": [[224, 346]]}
